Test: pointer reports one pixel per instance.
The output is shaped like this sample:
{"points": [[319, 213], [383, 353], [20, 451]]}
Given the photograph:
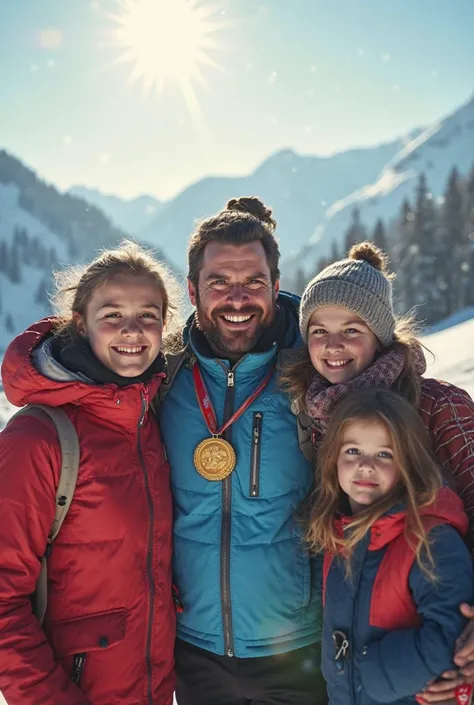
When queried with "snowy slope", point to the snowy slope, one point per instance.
{"points": [[41, 230], [19, 303], [298, 188], [435, 151], [453, 351], [17, 300], [131, 215]]}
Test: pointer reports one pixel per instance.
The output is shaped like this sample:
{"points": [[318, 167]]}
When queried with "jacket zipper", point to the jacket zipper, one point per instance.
{"points": [[255, 460], [78, 664], [351, 636], [226, 529], [149, 561]]}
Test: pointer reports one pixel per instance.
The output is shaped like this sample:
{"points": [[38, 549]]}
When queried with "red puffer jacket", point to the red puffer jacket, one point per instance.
{"points": [[109, 589]]}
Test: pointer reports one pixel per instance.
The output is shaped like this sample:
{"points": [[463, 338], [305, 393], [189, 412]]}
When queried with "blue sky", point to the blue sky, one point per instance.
{"points": [[316, 75]]}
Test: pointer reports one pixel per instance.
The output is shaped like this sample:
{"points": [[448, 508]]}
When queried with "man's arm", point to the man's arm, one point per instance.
{"points": [[442, 691]]}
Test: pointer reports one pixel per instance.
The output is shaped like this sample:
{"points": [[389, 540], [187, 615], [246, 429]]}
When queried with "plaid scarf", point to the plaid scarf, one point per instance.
{"points": [[382, 374]]}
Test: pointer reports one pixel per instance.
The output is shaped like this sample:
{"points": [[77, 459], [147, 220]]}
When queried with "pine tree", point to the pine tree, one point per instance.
{"points": [[300, 281], [454, 250], [334, 252], [3, 256], [402, 254], [14, 268], [323, 262], [427, 276], [9, 326], [41, 296], [469, 236], [356, 232], [379, 237]]}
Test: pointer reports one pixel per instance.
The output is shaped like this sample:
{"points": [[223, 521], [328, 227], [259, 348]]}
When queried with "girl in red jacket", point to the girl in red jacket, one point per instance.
{"points": [[108, 633], [354, 341]]}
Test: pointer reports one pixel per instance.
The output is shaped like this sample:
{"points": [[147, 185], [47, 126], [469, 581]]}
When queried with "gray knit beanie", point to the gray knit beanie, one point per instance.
{"points": [[359, 283]]}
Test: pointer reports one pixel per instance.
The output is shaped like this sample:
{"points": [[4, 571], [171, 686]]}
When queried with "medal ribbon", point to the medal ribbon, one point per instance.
{"points": [[207, 409]]}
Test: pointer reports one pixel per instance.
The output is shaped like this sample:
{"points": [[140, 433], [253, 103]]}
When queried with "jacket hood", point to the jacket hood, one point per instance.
{"points": [[446, 509], [286, 300], [30, 374]]}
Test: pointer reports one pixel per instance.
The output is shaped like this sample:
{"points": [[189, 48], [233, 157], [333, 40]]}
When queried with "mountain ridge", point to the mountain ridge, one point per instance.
{"points": [[297, 187], [129, 214], [443, 145]]}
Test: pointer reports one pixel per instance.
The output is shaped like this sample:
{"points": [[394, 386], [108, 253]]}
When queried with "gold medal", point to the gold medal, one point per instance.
{"points": [[214, 458]]}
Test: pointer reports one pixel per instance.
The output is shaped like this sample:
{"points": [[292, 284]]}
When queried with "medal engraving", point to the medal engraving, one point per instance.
{"points": [[214, 458]]}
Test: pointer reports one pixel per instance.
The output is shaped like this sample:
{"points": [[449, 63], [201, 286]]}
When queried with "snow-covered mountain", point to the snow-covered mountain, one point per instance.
{"points": [[298, 188], [435, 151], [41, 229], [131, 215], [21, 285]]}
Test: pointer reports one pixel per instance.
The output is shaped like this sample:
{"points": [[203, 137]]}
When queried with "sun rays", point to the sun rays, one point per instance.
{"points": [[166, 42]]}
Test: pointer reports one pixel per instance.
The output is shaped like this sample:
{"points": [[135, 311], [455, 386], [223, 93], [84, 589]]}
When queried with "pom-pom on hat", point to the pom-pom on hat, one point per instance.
{"points": [[361, 283]]}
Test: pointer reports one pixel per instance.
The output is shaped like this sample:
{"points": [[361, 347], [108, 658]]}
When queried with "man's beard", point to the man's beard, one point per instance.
{"points": [[234, 344]]}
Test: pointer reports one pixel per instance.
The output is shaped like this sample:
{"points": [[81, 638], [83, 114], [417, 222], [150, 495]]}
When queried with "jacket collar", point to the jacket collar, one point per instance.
{"points": [[446, 509], [52, 384]]}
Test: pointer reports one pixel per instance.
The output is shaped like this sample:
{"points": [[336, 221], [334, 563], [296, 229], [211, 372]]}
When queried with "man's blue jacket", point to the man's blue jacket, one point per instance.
{"points": [[247, 584]]}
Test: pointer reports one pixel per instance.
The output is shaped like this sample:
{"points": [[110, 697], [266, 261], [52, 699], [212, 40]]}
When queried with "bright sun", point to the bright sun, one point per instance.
{"points": [[166, 42]]}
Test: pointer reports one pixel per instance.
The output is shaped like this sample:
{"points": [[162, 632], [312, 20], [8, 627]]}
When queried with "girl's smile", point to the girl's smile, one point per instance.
{"points": [[340, 344], [124, 325]]}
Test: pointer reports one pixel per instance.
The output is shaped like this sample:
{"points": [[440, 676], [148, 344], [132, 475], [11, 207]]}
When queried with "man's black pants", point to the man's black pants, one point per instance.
{"points": [[292, 678]]}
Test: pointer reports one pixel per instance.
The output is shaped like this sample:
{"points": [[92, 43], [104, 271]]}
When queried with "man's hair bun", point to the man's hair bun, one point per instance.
{"points": [[254, 206]]}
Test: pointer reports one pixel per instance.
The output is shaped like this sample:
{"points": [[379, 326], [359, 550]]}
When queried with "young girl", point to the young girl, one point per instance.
{"points": [[108, 632], [354, 341], [395, 565]]}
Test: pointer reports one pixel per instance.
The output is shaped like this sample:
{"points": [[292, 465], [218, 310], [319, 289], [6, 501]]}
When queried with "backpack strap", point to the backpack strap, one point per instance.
{"points": [[70, 454], [305, 437], [174, 362]]}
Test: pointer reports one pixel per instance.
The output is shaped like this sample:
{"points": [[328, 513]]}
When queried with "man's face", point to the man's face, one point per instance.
{"points": [[235, 297]]}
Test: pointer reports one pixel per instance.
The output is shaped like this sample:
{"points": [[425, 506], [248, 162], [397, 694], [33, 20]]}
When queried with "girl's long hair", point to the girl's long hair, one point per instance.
{"points": [[296, 376], [419, 483]]}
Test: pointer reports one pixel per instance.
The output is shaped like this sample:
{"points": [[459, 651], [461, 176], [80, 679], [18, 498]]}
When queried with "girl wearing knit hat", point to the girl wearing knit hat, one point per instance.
{"points": [[353, 340]]}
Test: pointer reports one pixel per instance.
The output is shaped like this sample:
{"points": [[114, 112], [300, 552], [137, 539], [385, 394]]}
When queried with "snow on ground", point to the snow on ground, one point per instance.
{"points": [[453, 351], [6, 409]]}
